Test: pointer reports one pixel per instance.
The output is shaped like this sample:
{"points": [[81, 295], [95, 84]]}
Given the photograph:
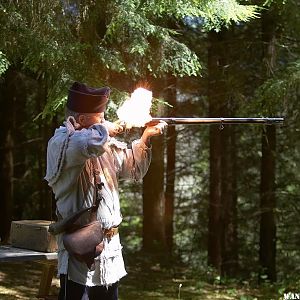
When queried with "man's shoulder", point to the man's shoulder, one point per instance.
{"points": [[59, 135]]}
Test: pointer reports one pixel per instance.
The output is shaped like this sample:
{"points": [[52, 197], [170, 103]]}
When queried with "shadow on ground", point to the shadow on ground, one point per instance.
{"points": [[146, 280], [21, 280]]}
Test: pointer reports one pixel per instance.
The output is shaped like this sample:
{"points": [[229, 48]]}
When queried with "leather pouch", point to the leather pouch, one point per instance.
{"points": [[85, 243]]}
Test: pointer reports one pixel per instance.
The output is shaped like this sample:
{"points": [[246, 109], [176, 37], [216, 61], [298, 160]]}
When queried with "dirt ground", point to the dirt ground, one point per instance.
{"points": [[145, 280]]}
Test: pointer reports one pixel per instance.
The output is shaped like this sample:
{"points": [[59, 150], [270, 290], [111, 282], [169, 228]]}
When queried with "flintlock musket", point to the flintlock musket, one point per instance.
{"points": [[195, 121]]}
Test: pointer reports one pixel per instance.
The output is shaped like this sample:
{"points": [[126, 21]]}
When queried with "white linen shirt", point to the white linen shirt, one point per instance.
{"points": [[70, 175]]}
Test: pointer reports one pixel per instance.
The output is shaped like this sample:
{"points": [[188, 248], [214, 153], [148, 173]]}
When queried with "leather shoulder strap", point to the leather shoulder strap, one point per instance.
{"points": [[97, 182]]}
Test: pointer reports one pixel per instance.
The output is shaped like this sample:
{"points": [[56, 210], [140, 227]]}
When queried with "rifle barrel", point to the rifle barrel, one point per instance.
{"points": [[195, 121]]}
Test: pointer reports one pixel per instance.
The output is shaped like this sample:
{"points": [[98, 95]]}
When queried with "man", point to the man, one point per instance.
{"points": [[86, 142]]}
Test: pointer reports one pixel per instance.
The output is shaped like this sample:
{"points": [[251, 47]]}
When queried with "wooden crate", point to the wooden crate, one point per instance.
{"points": [[33, 235]]}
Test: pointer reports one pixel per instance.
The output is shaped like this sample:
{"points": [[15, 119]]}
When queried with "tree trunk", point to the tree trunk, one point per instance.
{"points": [[215, 95], [153, 200], [154, 239], [6, 186], [267, 251], [267, 241], [6, 154], [214, 211], [45, 196], [222, 226], [229, 201], [170, 169]]}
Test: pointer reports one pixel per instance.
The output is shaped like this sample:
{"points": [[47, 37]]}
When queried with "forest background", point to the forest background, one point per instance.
{"points": [[223, 203]]}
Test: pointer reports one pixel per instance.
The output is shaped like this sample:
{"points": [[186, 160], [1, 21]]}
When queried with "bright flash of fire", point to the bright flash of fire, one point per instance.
{"points": [[135, 111]]}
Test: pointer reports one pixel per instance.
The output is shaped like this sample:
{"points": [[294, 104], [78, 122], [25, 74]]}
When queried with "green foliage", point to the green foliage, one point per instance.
{"points": [[270, 3], [4, 63], [224, 13], [147, 46], [279, 93], [178, 9], [215, 14], [39, 42], [136, 28], [90, 41]]}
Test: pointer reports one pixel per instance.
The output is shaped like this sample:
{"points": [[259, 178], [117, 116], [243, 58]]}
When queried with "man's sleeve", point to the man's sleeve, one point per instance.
{"points": [[133, 163], [86, 143]]}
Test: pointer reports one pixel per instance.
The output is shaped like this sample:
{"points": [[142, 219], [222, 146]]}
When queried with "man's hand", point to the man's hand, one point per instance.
{"points": [[113, 128], [154, 130]]}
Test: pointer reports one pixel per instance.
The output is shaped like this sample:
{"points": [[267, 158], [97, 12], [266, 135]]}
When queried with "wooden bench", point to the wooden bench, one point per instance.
{"points": [[48, 260]]}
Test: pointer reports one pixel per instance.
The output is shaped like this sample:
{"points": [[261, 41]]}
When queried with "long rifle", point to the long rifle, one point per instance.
{"points": [[195, 121]]}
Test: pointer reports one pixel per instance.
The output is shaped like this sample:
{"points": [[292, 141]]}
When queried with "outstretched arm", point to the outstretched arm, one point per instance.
{"points": [[134, 162]]}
